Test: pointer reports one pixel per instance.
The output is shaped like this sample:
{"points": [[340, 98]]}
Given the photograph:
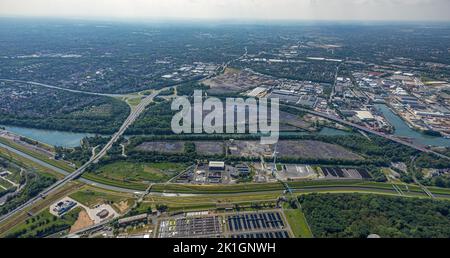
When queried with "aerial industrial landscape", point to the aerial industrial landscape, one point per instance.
{"points": [[88, 147]]}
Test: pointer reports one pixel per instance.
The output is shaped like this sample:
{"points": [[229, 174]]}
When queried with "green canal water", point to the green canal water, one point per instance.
{"points": [[69, 139], [402, 129], [326, 131], [55, 138]]}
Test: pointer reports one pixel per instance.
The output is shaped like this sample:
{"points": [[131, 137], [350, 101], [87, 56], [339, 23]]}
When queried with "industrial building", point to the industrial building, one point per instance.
{"points": [[103, 214], [243, 170], [365, 115], [133, 219], [63, 207], [216, 166], [257, 92]]}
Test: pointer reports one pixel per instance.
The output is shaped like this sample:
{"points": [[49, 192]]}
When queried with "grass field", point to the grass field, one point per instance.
{"points": [[436, 190], [367, 184], [217, 189], [173, 206], [9, 224], [296, 185], [140, 172], [121, 184], [369, 187], [279, 167], [15, 175], [214, 198], [238, 188], [12, 178], [44, 224], [5, 184], [298, 223], [90, 197], [388, 172], [206, 202], [133, 101], [59, 164], [28, 164]]}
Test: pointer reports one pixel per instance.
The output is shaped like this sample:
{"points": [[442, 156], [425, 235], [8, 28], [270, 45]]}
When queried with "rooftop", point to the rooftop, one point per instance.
{"points": [[217, 164]]}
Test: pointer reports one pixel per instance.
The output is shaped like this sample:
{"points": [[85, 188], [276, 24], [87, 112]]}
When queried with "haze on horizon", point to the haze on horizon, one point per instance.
{"points": [[431, 10]]}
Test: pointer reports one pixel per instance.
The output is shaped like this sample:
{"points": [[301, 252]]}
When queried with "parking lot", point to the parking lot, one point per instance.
{"points": [[255, 222], [275, 234], [187, 227], [264, 224]]}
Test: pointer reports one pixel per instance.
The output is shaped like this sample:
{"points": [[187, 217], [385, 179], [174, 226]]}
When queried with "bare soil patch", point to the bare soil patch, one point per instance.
{"points": [[83, 221], [162, 147]]}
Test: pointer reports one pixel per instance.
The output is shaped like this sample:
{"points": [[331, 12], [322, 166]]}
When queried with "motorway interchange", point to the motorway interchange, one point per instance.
{"points": [[131, 118]]}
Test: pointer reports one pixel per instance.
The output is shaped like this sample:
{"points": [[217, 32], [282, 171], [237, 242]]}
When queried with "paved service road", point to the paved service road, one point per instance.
{"points": [[131, 118]]}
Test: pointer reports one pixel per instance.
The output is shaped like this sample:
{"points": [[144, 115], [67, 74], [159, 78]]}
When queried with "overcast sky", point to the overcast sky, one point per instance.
{"points": [[233, 9]]}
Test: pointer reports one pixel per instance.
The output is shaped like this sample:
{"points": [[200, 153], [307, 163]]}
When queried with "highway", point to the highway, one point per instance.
{"points": [[135, 114], [307, 189], [131, 118], [65, 173], [360, 189], [370, 131], [131, 191]]}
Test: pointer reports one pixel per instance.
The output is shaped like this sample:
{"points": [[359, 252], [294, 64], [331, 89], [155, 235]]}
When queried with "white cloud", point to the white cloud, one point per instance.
{"points": [[234, 9]]}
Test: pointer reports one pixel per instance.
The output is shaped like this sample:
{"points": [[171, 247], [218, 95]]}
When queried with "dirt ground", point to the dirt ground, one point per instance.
{"points": [[233, 81], [248, 149], [122, 206], [162, 147], [314, 150], [209, 148], [294, 120], [83, 221]]}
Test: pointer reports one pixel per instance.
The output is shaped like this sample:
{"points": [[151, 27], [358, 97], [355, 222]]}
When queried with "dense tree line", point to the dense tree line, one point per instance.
{"points": [[438, 181], [188, 89], [431, 161], [358, 215], [316, 71], [52, 109], [35, 184], [29, 141], [44, 225], [292, 110], [190, 155], [376, 173], [155, 119], [81, 154], [167, 92], [379, 150], [7, 191]]}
